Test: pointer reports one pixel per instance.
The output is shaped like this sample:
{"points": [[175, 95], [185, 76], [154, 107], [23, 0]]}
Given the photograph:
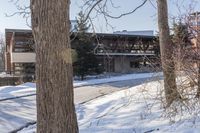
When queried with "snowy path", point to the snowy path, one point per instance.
{"points": [[15, 113], [87, 93], [28, 89], [134, 110], [117, 78]]}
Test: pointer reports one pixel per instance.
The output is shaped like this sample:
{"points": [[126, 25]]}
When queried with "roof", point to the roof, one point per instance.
{"points": [[9, 33], [141, 32], [18, 30], [124, 35], [98, 34]]}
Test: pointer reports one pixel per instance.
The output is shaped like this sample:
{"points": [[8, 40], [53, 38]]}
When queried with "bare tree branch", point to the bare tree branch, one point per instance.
{"points": [[127, 13], [101, 8], [23, 11], [92, 7]]}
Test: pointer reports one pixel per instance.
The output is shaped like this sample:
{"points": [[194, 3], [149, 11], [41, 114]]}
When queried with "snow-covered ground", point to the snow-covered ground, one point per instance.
{"points": [[7, 92], [136, 110], [16, 113], [116, 78], [29, 88]]}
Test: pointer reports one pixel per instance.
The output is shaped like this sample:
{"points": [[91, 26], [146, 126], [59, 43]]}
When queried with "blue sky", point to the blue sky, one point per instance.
{"points": [[144, 19]]}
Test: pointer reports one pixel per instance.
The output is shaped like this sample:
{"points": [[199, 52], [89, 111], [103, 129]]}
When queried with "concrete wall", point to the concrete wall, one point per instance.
{"points": [[23, 57], [1, 65], [122, 65]]}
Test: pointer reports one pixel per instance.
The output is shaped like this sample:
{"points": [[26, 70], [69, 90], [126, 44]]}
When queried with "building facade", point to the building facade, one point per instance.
{"points": [[194, 29], [119, 53], [19, 54], [194, 22], [125, 53]]}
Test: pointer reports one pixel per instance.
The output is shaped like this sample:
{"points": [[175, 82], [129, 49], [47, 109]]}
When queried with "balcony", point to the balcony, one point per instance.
{"points": [[22, 57], [126, 53]]}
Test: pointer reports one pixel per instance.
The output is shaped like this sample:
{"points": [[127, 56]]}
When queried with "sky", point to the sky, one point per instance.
{"points": [[143, 19]]}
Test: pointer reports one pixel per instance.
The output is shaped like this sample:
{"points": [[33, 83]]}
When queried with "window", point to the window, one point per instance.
{"points": [[135, 64]]}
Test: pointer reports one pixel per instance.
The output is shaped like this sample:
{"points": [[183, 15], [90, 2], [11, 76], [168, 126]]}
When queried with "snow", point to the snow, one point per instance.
{"points": [[4, 74], [135, 110], [116, 78], [7, 92], [16, 113], [17, 91]]}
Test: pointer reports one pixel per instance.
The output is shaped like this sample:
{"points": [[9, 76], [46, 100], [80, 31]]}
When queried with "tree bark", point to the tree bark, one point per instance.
{"points": [[55, 100], [166, 49], [198, 65], [198, 80]]}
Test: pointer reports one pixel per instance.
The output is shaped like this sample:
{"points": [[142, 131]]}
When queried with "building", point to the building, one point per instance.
{"points": [[194, 22], [126, 53], [194, 29], [122, 53], [19, 54], [189, 54]]}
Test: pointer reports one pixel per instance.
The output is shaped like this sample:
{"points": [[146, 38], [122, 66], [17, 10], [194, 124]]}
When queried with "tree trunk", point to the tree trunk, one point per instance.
{"points": [[198, 65], [166, 47], [198, 80], [55, 100]]}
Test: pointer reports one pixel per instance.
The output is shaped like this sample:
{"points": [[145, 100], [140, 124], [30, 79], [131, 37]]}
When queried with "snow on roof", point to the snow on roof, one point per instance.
{"points": [[142, 32]]}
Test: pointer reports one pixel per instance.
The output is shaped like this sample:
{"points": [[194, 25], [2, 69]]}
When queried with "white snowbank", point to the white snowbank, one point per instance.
{"points": [[128, 111], [16, 91], [116, 78], [29, 88]]}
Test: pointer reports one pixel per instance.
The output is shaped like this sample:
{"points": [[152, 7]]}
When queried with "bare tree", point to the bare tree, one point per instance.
{"points": [[55, 100], [188, 42], [171, 92]]}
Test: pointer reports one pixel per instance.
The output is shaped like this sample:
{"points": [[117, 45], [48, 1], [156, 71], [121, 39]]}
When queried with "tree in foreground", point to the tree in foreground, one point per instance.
{"points": [[55, 100], [165, 41], [86, 62]]}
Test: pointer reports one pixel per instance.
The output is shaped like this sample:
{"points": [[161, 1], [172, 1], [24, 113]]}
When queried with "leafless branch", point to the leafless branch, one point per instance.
{"points": [[102, 7], [23, 11], [127, 13]]}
